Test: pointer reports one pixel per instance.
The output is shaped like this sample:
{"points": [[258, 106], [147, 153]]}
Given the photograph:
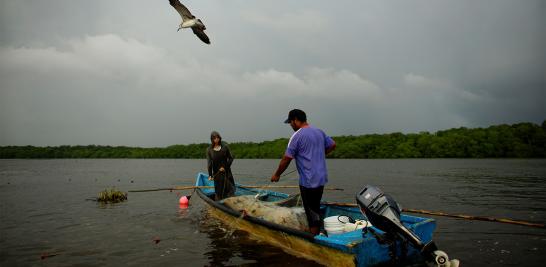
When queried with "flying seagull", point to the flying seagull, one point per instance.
{"points": [[190, 21]]}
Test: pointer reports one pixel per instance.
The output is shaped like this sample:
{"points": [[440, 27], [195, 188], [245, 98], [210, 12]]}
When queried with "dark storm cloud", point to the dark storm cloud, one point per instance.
{"points": [[117, 72]]}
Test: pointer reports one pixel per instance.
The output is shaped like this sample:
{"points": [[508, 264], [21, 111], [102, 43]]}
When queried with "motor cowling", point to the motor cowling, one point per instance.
{"points": [[384, 213]]}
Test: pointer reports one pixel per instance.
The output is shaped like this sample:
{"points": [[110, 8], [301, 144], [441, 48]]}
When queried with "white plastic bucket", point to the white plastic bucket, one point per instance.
{"points": [[333, 225], [336, 220], [339, 224]]}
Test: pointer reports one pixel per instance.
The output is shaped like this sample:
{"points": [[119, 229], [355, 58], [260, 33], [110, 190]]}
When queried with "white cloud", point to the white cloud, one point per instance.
{"points": [[103, 85], [342, 85], [446, 88]]}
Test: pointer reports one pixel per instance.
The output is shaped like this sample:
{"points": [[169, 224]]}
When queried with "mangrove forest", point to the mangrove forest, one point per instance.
{"points": [[521, 140]]}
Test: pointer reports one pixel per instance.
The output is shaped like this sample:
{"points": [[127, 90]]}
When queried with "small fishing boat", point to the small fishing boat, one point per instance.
{"points": [[361, 247]]}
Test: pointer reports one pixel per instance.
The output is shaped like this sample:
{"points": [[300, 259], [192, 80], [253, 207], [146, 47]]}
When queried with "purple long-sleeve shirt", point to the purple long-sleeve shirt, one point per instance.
{"points": [[308, 146]]}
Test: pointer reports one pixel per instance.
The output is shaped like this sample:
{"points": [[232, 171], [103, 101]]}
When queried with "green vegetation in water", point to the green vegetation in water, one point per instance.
{"points": [[521, 140], [111, 196]]}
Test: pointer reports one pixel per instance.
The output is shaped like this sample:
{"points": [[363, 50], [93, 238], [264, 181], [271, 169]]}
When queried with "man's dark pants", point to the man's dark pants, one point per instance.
{"points": [[311, 198]]}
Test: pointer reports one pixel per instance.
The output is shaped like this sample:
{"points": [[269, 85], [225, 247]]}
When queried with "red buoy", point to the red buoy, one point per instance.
{"points": [[184, 200]]}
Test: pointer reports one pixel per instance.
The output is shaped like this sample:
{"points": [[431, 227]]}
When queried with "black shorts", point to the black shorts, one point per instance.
{"points": [[311, 198]]}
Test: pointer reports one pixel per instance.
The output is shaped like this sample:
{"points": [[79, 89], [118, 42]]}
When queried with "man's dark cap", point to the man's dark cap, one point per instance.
{"points": [[296, 114]]}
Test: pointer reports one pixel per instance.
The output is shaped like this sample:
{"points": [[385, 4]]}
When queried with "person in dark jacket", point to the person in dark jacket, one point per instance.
{"points": [[219, 159]]}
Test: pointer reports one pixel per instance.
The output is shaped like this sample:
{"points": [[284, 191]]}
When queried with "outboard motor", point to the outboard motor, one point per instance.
{"points": [[384, 213]]}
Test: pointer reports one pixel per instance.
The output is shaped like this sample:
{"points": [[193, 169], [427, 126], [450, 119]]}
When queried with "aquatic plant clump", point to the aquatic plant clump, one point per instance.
{"points": [[111, 196]]}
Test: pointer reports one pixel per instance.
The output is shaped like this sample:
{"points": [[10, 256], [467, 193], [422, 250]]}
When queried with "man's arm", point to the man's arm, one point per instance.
{"points": [[331, 148], [285, 161]]}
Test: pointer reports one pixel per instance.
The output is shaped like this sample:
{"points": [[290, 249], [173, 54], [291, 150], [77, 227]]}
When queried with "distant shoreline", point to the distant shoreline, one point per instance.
{"points": [[521, 140]]}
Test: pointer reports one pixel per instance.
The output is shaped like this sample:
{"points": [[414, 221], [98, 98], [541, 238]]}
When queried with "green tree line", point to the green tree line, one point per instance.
{"points": [[521, 140]]}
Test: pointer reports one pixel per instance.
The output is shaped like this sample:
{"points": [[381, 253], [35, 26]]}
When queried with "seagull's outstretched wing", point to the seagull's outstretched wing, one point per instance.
{"points": [[201, 34], [182, 10]]}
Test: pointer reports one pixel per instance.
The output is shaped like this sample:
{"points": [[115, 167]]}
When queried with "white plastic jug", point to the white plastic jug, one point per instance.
{"points": [[359, 224]]}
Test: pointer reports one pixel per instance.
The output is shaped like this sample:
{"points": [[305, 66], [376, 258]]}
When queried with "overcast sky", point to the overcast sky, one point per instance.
{"points": [[106, 72]]}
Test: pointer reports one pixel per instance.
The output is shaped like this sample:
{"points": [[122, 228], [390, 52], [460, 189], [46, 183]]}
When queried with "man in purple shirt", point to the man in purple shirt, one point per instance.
{"points": [[309, 146]]}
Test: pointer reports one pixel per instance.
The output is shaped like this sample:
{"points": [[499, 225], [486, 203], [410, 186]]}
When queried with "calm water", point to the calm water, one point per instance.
{"points": [[44, 211]]}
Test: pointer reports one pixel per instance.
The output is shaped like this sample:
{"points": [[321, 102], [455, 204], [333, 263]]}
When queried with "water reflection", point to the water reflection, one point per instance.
{"points": [[183, 211], [232, 247]]}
